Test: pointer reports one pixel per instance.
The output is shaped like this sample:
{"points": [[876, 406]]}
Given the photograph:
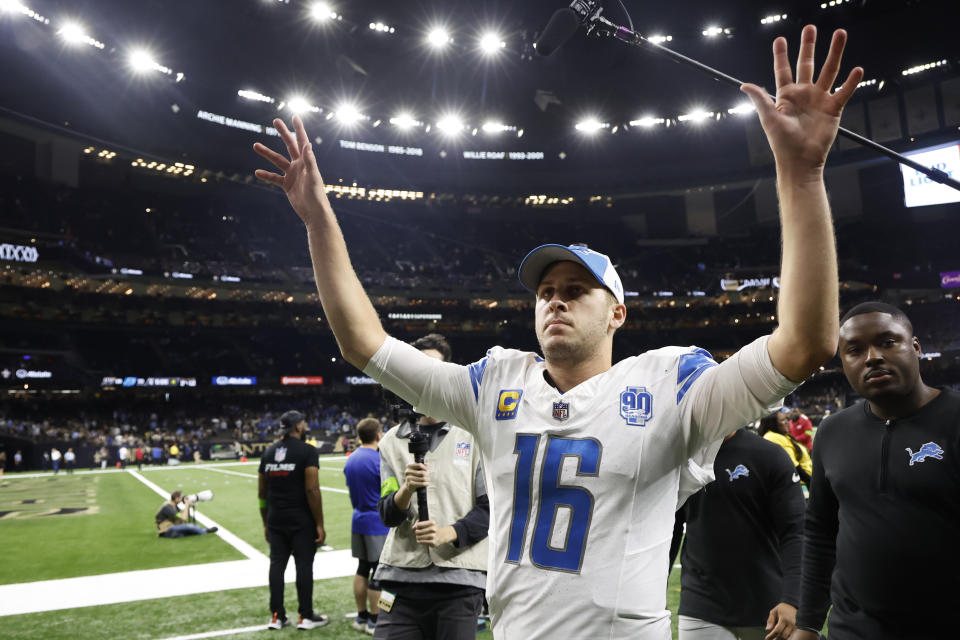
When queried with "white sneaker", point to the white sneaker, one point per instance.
{"points": [[360, 624], [276, 622], [312, 622]]}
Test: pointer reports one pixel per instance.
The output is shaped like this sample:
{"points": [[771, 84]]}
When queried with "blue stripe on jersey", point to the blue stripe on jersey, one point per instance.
{"points": [[476, 376], [692, 366]]}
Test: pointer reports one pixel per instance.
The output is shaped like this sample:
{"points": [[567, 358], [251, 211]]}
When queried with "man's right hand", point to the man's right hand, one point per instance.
{"points": [[321, 535], [301, 179], [416, 476]]}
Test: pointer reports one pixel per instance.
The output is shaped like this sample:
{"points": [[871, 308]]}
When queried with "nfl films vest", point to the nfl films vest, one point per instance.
{"points": [[453, 467]]}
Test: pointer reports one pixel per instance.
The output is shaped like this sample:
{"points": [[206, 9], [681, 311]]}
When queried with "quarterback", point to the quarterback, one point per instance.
{"points": [[583, 457]]}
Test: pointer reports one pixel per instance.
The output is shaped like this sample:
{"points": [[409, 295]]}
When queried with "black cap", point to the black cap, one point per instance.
{"points": [[289, 421]]}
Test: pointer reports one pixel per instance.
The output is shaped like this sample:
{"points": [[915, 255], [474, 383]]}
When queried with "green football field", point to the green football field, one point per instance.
{"points": [[68, 526]]}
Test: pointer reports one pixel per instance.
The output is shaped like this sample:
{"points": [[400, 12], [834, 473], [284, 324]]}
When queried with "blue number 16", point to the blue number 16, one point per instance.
{"points": [[553, 495]]}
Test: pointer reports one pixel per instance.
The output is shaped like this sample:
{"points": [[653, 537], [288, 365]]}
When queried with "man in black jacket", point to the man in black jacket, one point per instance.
{"points": [[741, 554], [884, 508], [292, 512]]}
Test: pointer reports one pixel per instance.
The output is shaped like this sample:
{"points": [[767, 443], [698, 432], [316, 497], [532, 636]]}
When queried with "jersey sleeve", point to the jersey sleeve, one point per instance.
{"points": [[441, 390], [717, 399], [313, 457]]}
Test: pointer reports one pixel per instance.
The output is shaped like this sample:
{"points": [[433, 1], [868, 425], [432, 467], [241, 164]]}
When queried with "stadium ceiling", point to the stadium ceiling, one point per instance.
{"points": [[351, 67]]}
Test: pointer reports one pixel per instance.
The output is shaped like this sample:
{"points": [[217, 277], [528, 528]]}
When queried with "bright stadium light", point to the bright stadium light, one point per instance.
{"points": [[403, 121], [13, 6], [141, 61], [74, 33], [494, 127], [742, 109], [438, 38], [450, 125], [490, 43], [348, 114], [696, 116], [299, 104], [256, 96], [714, 31], [659, 39], [647, 122], [590, 125], [321, 12]]}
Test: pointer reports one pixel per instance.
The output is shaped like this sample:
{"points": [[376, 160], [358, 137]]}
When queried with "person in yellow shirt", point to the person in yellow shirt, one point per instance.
{"points": [[771, 429]]}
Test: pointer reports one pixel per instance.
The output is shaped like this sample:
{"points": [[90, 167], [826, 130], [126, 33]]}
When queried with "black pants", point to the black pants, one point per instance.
{"points": [[298, 540], [430, 612]]}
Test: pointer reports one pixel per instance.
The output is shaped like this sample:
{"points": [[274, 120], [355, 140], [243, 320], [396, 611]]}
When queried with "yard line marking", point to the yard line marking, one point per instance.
{"points": [[251, 476], [228, 536], [150, 467], [222, 632], [166, 582]]}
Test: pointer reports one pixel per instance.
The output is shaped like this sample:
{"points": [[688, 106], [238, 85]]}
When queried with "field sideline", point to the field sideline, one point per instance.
{"points": [[90, 564]]}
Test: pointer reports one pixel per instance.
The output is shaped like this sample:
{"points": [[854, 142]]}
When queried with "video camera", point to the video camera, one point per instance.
{"points": [[402, 412]]}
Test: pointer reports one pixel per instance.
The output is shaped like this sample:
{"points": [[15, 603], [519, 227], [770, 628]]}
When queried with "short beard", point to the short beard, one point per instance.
{"points": [[566, 352]]}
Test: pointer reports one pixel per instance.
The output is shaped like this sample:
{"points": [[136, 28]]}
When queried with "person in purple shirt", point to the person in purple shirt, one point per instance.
{"points": [[368, 532]]}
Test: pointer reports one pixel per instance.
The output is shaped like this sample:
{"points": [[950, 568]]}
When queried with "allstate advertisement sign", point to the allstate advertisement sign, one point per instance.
{"points": [[18, 253]]}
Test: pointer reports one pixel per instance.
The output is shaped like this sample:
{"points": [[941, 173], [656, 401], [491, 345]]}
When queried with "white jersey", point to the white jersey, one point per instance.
{"points": [[583, 485]]}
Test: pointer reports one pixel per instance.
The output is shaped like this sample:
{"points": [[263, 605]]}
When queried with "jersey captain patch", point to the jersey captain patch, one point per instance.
{"points": [[636, 406], [508, 403]]}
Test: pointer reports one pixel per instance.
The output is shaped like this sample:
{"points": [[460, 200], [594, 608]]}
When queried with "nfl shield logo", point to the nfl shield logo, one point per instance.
{"points": [[280, 454], [561, 410], [463, 449]]}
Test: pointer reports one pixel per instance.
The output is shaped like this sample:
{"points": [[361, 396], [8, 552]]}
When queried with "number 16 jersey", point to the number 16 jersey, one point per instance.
{"points": [[583, 485]]}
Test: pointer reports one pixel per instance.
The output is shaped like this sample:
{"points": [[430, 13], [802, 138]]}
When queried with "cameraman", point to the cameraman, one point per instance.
{"points": [[432, 574], [292, 512], [171, 522]]}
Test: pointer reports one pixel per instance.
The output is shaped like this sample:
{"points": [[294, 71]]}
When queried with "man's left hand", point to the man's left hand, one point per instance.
{"points": [[781, 622], [802, 124], [430, 534]]}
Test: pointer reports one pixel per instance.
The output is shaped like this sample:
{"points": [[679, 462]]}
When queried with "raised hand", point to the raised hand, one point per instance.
{"points": [[803, 121], [301, 179]]}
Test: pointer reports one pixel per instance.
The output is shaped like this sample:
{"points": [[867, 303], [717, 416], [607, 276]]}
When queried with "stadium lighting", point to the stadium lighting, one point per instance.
{"points": [[403, 121], [774, 18], [697, 116], [659, 39], [494, 127], [12, 6], [349, 114], [383, 28], [438, 38], [923, 67], [647, 122], [490, 43], [299, 104], [74, 33], [590, 125], [141, 61], [450, 125], [741, 109], [254, 95], [321, 12], [714, 31]]}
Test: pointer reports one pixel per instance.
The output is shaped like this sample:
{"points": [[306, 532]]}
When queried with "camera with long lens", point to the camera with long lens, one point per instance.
{"points": [[402, 412], [201, 496]]}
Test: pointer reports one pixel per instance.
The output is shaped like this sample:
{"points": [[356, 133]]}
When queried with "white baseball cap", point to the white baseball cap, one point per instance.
{"points": [[537, 261]]}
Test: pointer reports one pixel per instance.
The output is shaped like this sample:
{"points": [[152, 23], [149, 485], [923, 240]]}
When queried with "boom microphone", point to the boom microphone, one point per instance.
{"points": [[561, 28], [564, 23]]}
